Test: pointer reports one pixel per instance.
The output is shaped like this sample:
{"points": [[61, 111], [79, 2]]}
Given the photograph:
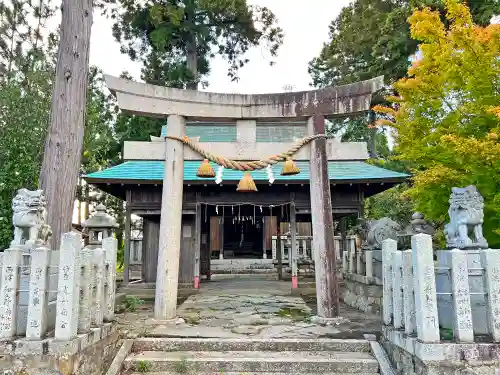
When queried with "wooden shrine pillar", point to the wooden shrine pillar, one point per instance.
{"points": [[167, 277], [279, 254], [197, 245], [292, 257], [188, 252], [151, 234], [128, 229], [327, 290]]}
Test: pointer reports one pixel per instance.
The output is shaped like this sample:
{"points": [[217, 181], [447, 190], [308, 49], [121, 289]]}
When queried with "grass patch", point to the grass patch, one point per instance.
{"points": [[181, 367], [293, 314], [143, 366], [296, 315]]}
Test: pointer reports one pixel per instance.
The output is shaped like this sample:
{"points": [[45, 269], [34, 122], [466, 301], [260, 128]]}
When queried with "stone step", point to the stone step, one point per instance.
{"points": [[224, 345], [243, 271], [247, 373], [256, 361]]}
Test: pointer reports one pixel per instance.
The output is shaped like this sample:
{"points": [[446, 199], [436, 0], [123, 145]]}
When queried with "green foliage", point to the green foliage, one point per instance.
{"points": [[447, 118], [372, 37], [132, 303], [23, 124], [177, 39], [391, 203], [22, 42], [144, 366], [181, 366]]}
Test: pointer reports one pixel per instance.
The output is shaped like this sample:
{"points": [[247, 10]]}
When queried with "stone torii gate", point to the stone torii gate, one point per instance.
{"points": [[177, 105]]}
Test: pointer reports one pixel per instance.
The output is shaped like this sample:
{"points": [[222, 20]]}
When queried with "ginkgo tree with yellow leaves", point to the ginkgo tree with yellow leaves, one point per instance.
{"points": [[446, 115]]}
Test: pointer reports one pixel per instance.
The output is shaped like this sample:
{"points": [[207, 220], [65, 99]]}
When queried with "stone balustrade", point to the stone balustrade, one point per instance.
{"points": [[304, 247], [77, 283], [413, 303], [362, 274]]}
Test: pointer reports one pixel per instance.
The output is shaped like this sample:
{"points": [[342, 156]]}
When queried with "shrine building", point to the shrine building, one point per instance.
{"points": [[168, 183]]}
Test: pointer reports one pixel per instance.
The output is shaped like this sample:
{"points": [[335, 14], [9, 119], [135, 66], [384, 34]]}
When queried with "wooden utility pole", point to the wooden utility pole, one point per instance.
{"points": [[64, 142]]}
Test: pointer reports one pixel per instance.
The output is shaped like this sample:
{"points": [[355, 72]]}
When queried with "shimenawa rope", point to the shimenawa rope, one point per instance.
{"points": [[248, 165]]}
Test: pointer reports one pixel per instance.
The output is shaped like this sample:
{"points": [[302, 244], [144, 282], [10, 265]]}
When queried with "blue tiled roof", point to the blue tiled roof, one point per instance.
{"points": [[337, 170]]}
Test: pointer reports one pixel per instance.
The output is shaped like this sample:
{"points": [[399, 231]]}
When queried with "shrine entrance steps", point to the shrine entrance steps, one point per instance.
{"points": [[253, 326], [242, 266], [210, 356]]}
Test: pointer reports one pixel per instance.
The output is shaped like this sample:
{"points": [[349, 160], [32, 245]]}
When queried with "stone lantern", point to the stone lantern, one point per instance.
{"points": [[99, 226]]}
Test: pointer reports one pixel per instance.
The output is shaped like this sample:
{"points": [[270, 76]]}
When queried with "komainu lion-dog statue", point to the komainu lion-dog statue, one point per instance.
{"points": [[29, 216], [466, 217]]}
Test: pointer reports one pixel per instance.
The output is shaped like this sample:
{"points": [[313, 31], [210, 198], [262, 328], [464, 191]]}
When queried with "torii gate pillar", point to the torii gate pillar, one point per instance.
{"points": [[327, 290], [167, 277]]}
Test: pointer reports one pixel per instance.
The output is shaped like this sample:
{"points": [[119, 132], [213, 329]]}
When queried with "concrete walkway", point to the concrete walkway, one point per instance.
{"points": [[249, 307]]}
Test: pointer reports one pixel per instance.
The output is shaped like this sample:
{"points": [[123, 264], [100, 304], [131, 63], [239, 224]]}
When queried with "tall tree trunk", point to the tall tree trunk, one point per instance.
{"points": [[372, 145], [192, 56], [192, 64], [63, 146]]}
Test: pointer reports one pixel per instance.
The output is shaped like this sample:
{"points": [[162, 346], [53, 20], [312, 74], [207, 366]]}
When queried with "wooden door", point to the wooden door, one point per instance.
{"points": [[270, 229], [215, 233]]}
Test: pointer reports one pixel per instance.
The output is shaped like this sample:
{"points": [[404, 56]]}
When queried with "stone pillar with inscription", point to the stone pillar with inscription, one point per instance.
{"points": [[98, 281], [167, 277], [425, 288], [38, 293], [397, 290], [389, 247], [462, 325], [408, 296], [490, 259], [8, 292], [68, 289], [87, 289], [327, 289], [110, 246]]}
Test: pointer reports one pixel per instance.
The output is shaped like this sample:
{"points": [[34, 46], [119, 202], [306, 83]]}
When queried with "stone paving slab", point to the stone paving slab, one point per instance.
{"points": [[256, 314], [247, 308]]}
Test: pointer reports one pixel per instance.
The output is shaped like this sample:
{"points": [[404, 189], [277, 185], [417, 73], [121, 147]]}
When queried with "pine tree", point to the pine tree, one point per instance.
{"points": [[21, 41]]}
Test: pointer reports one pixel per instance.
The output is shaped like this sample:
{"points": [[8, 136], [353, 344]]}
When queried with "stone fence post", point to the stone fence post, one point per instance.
{"points": [[68, 290], [351, 254], [110, 246], [369, 263], [397, 290], [9, 284], [490, 259], [98, 283], [86, 287], [389, 247], [38, 293], [462, 322], [408, 295], [425, 289]]}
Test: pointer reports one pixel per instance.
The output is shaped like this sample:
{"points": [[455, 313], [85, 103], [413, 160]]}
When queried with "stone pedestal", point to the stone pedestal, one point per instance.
{"points": [[167, 277]]}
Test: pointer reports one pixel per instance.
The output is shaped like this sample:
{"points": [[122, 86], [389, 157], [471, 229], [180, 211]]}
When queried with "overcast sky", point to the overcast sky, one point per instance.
{"points": [[305, 28]]}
